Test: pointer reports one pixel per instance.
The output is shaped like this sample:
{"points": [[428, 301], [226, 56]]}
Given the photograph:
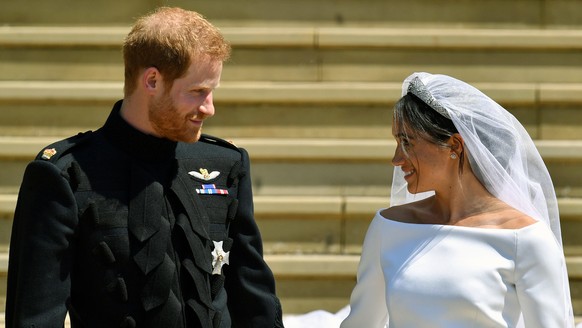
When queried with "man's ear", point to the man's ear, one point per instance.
{"points": [[151, 79]]}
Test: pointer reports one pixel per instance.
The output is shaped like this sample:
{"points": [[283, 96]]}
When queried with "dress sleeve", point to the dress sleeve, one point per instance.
{"points": [[541, 281], [41, 249], [250, 283], [368, 301]]}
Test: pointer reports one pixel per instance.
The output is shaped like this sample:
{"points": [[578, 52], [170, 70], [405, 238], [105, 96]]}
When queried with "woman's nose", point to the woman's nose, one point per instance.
{"points": [[398, 158]]}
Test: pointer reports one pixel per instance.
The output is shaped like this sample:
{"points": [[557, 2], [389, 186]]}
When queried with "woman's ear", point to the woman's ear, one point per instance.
{"points": [[457, 144]]}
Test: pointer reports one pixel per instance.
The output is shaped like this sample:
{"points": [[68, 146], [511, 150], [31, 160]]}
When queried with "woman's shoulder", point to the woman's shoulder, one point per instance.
{"points": [[413, 212], [397, 213], [501, 217], [497, 216]]}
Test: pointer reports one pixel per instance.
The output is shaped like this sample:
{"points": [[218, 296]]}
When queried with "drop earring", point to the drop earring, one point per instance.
{"points": [[453, 156]]}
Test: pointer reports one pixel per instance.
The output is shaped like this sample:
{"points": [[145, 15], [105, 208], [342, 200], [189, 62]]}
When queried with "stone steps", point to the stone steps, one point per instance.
{"points": [[321, 224], [385, 93], [313, 233], [255, 109], [308, 93], [315, 166], [516, 14], [313, 37], [313, 54], [330, 279]]}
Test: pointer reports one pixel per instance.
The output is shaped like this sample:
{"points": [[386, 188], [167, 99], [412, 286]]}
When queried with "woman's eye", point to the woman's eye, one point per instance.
{"points": [[405, 143]]}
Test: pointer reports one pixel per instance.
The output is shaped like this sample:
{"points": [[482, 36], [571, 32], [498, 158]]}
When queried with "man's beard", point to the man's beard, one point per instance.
{"points": [[167, 122]]}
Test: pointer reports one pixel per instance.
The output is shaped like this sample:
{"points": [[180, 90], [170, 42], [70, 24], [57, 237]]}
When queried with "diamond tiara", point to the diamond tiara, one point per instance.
{"points": [[417, 88]]}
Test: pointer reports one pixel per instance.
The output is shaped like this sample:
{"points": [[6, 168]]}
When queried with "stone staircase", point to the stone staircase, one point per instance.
{"points": [[308, 92]]}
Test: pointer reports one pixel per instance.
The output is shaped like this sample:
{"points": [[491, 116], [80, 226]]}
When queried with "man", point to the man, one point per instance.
{"points": [[145, 222]]}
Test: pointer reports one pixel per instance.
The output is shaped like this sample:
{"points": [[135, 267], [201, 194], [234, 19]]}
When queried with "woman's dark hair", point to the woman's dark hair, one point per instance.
{"points": [[413, 117]]}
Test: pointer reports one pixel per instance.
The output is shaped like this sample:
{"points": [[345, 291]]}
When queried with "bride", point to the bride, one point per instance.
{"points": [[472, 237]]}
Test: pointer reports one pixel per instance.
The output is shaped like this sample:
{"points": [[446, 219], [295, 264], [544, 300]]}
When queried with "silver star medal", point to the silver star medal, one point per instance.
{"points": [[219, 257]]}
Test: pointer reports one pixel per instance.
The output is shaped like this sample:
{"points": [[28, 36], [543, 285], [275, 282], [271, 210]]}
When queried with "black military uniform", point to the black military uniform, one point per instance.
{"points": [[123, 229]]}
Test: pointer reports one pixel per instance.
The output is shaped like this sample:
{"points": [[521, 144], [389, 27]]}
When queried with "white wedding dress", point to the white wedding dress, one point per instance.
{"points": [[425, 275]]}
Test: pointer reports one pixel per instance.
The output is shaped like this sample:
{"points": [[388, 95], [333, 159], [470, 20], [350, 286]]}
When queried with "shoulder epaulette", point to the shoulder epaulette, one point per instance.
{"points": [[218, 141], [59, 148]]}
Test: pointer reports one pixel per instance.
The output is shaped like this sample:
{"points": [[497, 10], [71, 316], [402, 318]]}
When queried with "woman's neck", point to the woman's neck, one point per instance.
{"points": [[466, 198]]}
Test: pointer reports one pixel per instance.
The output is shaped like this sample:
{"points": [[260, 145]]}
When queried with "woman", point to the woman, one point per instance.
{"points": [[472, 237]]}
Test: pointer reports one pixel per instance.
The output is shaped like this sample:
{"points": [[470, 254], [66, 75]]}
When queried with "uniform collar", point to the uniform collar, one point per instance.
{"points": [[137, 144]]}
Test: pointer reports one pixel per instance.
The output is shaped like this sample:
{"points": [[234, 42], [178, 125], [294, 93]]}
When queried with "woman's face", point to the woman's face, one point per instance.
{"points": [[426, 166]]}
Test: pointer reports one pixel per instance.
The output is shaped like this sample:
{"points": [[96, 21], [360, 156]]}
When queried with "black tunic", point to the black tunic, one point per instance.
{"points": [[117, 229]]}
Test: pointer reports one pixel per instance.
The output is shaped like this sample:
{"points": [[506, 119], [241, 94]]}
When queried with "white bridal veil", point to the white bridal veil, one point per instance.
{"points": [[500, 151]]}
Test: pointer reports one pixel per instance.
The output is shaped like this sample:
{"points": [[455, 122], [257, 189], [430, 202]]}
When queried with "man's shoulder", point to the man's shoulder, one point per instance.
{"points": [[216, 141], [57, 150], [212, 145]]}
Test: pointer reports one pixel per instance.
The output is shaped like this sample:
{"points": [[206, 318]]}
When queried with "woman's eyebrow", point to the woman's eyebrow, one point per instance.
{"points": [[403, 135]]}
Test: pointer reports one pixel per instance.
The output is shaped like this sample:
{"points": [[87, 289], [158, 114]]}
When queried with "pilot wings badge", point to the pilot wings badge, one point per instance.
{"points": [[203, 174]]}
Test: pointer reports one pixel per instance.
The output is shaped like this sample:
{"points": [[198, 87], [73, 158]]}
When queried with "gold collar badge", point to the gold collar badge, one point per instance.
{"points": [[48, 153]]}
